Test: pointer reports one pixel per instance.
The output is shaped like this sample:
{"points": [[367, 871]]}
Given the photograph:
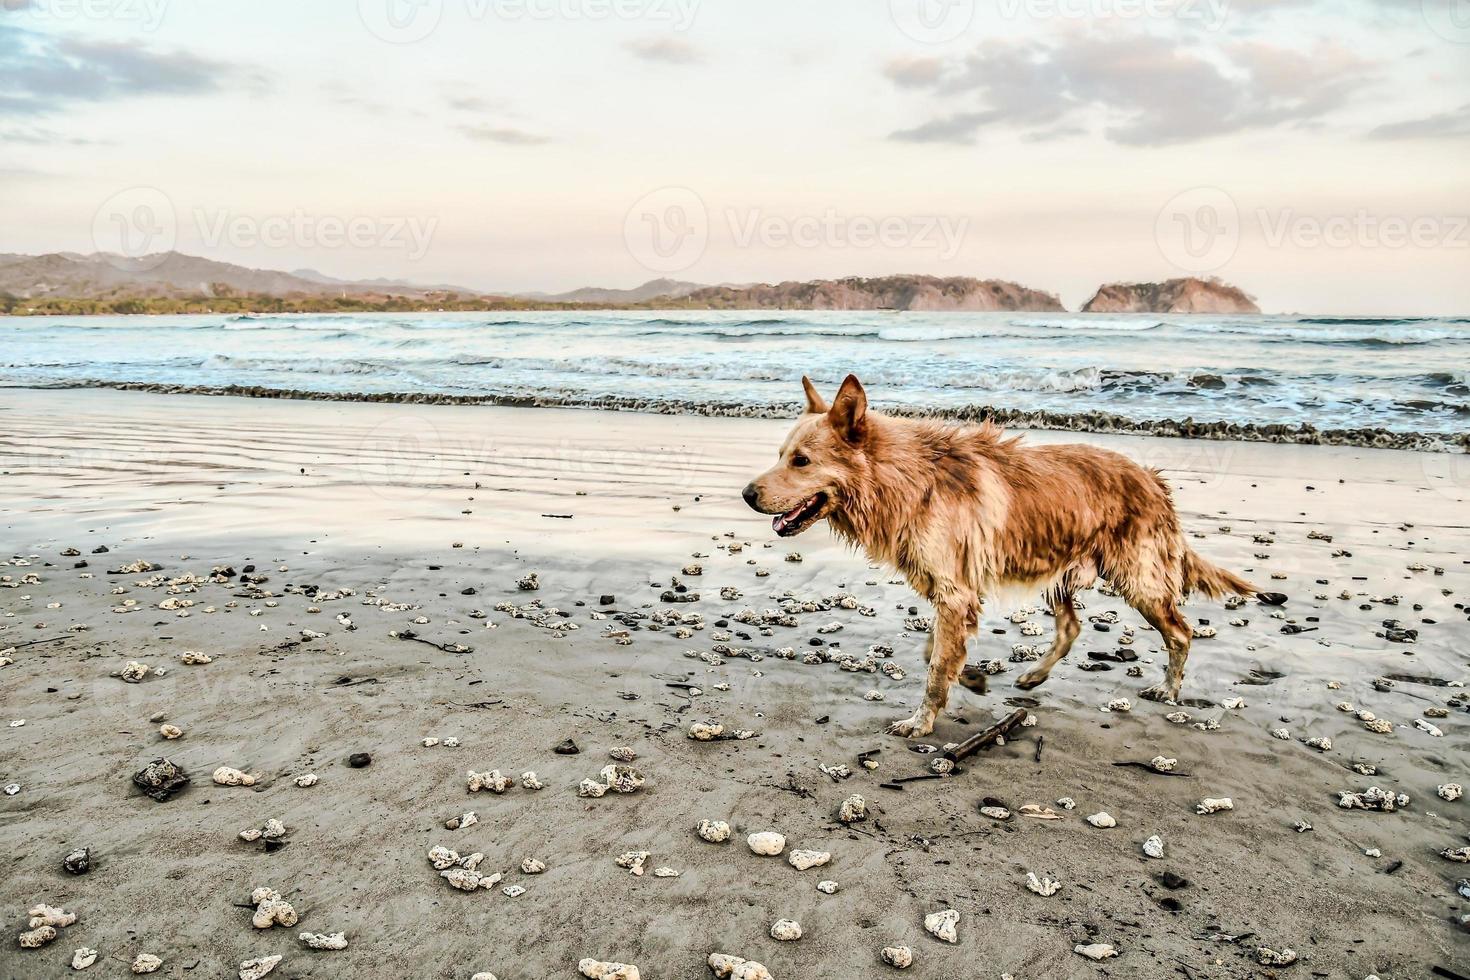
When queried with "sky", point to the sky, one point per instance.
{"points": [[1314, 152]]}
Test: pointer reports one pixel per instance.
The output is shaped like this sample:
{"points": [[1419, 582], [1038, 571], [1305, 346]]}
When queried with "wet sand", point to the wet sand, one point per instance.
{"points": [[404, 508]]}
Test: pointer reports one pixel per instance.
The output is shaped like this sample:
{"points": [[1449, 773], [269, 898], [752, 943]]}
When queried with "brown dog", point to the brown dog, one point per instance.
{"points": [[962, 511]]}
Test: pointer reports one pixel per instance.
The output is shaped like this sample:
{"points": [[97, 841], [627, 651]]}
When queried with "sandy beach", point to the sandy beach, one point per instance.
{"points": [[351, 570]]}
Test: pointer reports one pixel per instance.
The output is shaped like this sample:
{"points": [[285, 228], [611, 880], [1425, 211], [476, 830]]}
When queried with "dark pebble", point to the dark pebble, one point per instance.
{"points": [[567, 747], [359, 760], [78, 862]]}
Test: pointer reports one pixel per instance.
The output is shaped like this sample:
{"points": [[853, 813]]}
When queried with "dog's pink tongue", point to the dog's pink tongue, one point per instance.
{"points": [[788, 517]]}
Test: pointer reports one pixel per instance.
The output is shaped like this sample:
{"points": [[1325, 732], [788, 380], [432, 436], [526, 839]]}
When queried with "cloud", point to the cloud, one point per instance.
{"points": [[505, 135], [1139, 91], [472, 103], [36, 136], [912, 72], [1453, 124], [45, 74], [666, 50]]}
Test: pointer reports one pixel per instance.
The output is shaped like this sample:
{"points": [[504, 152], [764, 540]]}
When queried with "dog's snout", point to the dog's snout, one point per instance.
{"points": [[751, 495]]}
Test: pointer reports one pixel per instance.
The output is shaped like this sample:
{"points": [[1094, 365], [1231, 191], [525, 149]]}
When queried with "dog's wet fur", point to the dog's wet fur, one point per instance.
{"points": [[962, 511]]}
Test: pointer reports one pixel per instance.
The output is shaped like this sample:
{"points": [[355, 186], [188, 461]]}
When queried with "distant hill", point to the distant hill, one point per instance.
{"points": [[172, 282], [652, 289], [169, 274], [927, 293], [1173, 296]]}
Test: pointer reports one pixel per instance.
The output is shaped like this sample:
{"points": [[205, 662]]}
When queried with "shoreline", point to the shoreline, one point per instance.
{"points": [[1096, 422]]}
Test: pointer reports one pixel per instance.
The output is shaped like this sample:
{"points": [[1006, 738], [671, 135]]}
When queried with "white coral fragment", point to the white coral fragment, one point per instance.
{"points": [[802, 860], [599, 970], [898, 957], [271, 909], [324, 940], [255, 969], [1095, 951], [50, 915], [942, 925], [227, 776], [714, 831], [1044, 887], [494, 781]]}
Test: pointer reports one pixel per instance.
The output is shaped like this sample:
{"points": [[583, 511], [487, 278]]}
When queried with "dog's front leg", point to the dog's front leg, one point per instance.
{"points": [[955, 621]]}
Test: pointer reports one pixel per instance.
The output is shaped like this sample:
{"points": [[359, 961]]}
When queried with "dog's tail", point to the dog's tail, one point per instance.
{"points": [[1212, 580]]}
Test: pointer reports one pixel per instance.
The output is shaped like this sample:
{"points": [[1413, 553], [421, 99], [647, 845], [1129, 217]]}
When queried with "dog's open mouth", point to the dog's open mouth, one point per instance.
{"points": [[800, 517]]}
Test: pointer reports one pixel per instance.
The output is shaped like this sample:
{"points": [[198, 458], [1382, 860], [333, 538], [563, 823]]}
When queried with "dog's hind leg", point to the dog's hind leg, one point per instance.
{"points": [[956, 621], [1068, 627], [1164, 616]]}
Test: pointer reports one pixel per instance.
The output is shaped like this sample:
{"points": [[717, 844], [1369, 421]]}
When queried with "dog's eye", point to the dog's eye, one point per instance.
{"points": [[799, 460]]}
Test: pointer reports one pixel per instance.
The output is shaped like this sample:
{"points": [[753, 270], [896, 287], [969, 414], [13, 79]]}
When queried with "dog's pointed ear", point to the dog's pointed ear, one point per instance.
{"points": [[814, 401], [849, 412]]}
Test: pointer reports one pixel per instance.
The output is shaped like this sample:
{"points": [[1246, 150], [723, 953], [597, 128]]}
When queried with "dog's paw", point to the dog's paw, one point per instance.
{"points": [[1161, 693], [915, 726], [1032, 678]]}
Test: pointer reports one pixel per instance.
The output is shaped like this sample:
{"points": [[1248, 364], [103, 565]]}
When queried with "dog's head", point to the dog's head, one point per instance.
{"points": [[819, 460]]}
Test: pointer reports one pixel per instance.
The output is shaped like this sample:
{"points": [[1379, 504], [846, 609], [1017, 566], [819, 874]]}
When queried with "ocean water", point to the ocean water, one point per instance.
{"points": [[1403, 375]]}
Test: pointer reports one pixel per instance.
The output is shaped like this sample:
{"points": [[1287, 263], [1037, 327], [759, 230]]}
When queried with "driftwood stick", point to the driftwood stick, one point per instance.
{"points": [[988, 737]]}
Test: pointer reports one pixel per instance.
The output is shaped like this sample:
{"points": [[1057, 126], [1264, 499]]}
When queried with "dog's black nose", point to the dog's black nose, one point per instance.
{"points": [[750, 495]]}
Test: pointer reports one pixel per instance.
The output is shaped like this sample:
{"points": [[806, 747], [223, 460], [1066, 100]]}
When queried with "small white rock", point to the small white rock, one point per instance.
{"points": [[766, 842], [802, 860], [898, 957], [257, 968], [942, 925], [1095, 951], [714, 831]]}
